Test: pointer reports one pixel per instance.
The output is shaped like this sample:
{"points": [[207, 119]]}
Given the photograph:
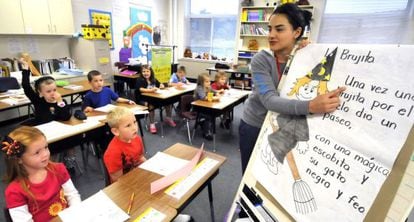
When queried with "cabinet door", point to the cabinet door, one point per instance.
{"points": [[61, 16], [11, 17], [36, 16]]}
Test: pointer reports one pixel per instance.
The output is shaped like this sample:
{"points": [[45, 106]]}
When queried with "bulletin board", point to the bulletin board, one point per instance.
{"points": [[356, 162], [104, 19]]}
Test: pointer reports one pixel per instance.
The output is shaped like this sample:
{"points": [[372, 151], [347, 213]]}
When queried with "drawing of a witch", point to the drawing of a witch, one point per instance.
{"points": [[294, 129]]}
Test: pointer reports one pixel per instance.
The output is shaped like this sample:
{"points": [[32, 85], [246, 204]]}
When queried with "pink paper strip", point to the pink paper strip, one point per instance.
{"points": [[180, 173]]}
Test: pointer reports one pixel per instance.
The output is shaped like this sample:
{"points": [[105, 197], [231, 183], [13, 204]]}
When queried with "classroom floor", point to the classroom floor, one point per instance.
{"points": [[225, 184]]}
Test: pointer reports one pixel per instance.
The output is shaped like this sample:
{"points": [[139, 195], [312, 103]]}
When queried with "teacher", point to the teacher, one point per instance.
{"points": [[286, 26]]}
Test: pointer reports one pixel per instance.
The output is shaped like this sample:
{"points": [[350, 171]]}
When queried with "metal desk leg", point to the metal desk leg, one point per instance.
{"points": [[141, 131], [210, 199], [161, 122], [214, 133]]}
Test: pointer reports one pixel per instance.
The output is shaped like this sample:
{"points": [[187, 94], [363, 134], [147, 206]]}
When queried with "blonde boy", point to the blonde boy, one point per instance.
{"points": [[126, 150]]}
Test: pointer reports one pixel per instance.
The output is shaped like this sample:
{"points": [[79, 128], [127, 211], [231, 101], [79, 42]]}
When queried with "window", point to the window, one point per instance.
{"points": [[367, 21], [212, 29]]}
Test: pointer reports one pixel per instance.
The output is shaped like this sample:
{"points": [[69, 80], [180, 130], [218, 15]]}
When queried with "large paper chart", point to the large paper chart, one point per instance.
{"points": [[330, 167]]}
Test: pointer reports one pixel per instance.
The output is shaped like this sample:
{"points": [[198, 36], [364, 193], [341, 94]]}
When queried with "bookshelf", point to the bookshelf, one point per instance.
{"points": [[253, 25]]}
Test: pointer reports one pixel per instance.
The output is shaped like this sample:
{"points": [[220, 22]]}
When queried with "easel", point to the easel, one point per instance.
{"points": [[394, 201], [391, 202]]}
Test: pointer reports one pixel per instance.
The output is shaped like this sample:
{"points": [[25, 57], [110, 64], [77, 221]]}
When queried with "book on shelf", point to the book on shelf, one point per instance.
{"points": [[243, 17], [254, 29]]}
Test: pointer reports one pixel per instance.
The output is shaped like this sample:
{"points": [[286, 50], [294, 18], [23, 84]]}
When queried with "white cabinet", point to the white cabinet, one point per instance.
{"points": [[11, 17], [40, 17], [36, 16], [61, 17]]}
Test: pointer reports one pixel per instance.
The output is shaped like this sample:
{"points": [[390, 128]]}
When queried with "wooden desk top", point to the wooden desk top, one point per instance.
{"points": [[73, 121], [4, 106], [85, 87], [64, 92], [140, 180], [135, 76], [224, 101], [169, 92], [132, 106], [120, 193]]}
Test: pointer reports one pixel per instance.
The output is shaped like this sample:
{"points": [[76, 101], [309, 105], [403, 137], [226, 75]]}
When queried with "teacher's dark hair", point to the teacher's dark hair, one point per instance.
{"points": [[296, 16]]}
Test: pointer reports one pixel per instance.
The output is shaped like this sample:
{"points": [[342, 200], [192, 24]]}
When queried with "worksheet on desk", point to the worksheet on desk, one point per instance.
{"points": [[163, 164], [106, 108], [97, 208], [181, 187]]}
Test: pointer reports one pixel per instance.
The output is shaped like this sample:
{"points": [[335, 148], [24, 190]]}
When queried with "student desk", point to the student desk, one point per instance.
{"points": [[75, 94], [167, 96], [237, 79], [6, 106], [130, 80], [120, 193], [215, 109], [139, 180]]}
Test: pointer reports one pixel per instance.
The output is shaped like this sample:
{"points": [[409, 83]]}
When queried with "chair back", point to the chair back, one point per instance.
{"points": [[7, 215], [186, 101], [7, 83]]}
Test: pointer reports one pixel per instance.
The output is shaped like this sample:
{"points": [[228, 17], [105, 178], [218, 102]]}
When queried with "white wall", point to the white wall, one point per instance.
{"points": [[39, 47]]}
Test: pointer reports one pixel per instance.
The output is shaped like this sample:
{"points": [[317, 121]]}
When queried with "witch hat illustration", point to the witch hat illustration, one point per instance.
{"points": [[294, 129], [320, 73]]}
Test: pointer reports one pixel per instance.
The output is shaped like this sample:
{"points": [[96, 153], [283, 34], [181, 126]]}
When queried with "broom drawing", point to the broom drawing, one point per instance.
{"points": [[302, 194]]}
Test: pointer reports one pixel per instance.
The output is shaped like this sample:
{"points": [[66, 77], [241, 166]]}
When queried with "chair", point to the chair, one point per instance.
{"points": [[186, 112], [7, 215], [7, 83]]}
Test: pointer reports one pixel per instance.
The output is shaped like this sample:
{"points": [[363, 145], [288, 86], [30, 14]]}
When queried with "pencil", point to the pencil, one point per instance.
{"points": [[131, 199]]}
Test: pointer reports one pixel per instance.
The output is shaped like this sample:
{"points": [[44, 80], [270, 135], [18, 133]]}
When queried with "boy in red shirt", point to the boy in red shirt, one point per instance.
{"points": [[126, 150]]}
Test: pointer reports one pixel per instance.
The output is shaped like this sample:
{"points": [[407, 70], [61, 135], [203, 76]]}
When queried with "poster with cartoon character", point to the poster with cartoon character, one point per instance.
{"points": [[324, 165], [141, 34]]}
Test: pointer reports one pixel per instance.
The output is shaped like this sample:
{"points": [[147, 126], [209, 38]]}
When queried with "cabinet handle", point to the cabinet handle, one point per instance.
{"points": [[55, 28], [48, 28]]}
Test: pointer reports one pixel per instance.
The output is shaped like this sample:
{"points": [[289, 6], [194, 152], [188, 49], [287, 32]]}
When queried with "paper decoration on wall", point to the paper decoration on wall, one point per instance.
{"points": [[141, 34], [95, 32], [103, 19], [161, 63]]}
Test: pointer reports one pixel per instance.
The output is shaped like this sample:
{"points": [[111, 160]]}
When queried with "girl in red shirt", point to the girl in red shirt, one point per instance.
{"points": [[37, 188]]}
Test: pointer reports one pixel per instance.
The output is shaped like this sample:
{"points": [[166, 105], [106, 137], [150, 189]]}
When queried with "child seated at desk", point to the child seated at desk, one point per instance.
{"points": [[126, 150], [99, 95], [178, 79], [220, 82], [48, 106], [38, 189], [147, 83], [200, 93], [219, 86], [48, 103]]}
